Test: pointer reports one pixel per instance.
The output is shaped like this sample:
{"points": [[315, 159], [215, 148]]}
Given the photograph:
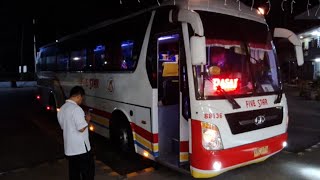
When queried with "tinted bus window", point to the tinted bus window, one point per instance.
{"points": [[62, 62], [51, 63], [120, 56], [43, 66], [99, 56], [128, 58], [78, 60]]}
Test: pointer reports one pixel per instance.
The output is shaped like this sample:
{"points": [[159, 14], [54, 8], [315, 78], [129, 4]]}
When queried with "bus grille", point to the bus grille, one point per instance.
{"points": [[252, 120]]}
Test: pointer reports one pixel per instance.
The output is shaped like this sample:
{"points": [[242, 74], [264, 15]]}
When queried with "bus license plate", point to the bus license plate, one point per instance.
{"points": [[261, 151]]}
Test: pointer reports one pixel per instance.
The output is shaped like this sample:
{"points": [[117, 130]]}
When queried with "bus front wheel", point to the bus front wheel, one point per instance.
{"points": [[121, 136]]}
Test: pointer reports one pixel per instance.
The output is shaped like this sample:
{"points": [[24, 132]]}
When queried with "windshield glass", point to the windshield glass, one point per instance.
{"points": [[240, 59]]}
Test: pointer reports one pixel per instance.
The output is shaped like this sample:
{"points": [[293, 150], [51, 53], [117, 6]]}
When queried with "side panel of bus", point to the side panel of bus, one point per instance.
{"points": [[118, 92]]}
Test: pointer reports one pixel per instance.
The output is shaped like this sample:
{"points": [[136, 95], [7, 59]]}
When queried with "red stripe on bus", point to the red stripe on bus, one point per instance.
{"points": [[144, 133], [184, 146], [204, 159], [97, 112]]}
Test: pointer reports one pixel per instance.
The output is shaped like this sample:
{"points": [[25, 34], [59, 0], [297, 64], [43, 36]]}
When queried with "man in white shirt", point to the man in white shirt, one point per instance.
{"points": [[74, 124]]}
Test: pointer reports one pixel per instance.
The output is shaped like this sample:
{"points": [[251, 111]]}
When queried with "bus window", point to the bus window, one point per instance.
{"points": [[129, 59], [78, 60], [51, 63], [62, 62], [99, 55], [42, 64]]}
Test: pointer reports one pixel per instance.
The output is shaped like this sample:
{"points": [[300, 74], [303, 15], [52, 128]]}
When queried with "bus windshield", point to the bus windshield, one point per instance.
{"points": [[241, 60]]}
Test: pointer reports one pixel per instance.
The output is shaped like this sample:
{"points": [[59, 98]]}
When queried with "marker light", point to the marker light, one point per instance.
{"points": [[217, 165], [38, 97], [261, 11], [284, 144], [145, 154], [211, 139], [91, 128], [48, 108]]}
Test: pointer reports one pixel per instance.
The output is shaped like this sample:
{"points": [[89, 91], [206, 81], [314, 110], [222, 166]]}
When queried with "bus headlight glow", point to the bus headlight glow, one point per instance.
{"points": [[211, 139], [284, 144], [217, 165]]}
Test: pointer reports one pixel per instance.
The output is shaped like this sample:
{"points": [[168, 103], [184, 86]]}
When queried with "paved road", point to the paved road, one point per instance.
{"points": [[32, 136], [22, 143], [304, 121]]}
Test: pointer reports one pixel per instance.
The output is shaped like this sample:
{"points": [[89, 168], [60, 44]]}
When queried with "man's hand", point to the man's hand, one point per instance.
{"points": [[88, 117]]}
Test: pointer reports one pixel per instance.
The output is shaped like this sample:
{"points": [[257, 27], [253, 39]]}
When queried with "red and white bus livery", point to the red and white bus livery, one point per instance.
{"points": [[192, 84]]}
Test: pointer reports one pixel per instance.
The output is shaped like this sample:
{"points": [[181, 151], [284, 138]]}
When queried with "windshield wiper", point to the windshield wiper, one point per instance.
{"points": [[233, 102], [279, 95]]}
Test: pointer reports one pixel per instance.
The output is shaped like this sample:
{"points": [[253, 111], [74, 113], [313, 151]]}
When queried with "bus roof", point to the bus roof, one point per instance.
{"points": [[228, 7], [232, 8]]}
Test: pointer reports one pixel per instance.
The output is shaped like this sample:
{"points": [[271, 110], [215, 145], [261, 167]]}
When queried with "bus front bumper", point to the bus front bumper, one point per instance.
{"points": [[205, 164]]}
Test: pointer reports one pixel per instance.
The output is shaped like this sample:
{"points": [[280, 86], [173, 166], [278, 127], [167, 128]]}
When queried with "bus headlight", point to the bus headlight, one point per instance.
{"points": [[211, 139]]}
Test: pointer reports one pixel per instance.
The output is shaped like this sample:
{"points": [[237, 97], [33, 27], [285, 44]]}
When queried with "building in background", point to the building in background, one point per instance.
{"points": [[310, 39]]}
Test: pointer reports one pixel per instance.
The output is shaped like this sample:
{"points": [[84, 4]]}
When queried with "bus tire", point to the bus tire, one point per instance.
{"points": [[121, 135]]}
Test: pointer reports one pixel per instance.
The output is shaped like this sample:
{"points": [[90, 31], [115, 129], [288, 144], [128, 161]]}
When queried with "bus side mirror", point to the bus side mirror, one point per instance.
{"points": [[293, 38], [198, 50]]}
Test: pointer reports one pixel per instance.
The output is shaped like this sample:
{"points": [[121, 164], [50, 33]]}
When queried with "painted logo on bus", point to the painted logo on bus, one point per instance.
{"points": [[90, 83]]}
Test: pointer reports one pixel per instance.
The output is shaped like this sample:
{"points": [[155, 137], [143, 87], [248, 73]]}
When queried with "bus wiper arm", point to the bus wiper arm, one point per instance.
{"points": [[279, 97], [233, 102]]}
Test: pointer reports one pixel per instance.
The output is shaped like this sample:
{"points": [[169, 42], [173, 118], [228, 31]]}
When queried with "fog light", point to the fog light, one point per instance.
{"points": [[217, 165], [284, 144]]}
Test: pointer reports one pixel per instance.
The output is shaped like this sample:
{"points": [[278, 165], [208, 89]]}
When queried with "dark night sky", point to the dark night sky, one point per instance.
{"points": [[57, 18]]}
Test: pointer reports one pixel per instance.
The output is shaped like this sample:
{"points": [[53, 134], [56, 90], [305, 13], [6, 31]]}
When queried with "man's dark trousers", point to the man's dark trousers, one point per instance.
{"points": [[81, 167]]}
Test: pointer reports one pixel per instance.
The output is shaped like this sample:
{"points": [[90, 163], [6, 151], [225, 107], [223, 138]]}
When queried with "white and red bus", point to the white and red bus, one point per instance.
{"points": [[192, 84]]}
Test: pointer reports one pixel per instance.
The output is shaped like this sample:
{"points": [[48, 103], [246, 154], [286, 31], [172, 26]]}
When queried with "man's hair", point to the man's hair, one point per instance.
{"points": [[77, 90]]}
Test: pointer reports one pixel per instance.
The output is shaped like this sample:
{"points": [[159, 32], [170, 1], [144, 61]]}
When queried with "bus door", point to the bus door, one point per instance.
{"points": [[168, 47]]}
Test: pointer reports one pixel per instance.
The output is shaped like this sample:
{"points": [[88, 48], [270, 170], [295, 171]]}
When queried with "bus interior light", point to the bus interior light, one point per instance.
{"points": [[126, 43], [76, 58], [168, 37], [99, 48]]}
